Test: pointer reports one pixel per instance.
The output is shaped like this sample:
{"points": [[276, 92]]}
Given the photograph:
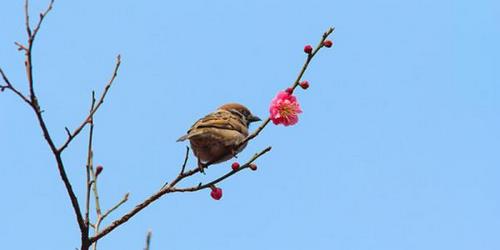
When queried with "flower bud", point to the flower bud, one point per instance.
{"points": [[328, 43], [235, 165], [98, 170], [216, 193], [308, 49], [252, 166], [304, 84]]}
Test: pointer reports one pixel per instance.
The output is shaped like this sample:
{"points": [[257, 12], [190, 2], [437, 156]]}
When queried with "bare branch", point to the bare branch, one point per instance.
{"points": [[20, 46], [148, 240], [170, 188], [27, 18], [96, 193], [121, 202], [67, 131], [31, 40], [90, 162], [183, 168], [256, 132], [9, 86], [33, 103], [92, 112], [212, 183], [185, 161], [39, 24]]}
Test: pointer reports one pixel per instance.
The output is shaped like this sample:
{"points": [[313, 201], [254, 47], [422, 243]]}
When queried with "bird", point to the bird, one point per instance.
{"points": [[216, 137]]}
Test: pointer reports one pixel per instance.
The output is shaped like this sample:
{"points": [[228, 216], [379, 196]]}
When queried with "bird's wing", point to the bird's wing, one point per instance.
{"points": [[221, 119]]}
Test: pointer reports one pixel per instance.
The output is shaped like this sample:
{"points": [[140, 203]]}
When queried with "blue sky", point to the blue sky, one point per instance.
{"points": [[397, 147]]}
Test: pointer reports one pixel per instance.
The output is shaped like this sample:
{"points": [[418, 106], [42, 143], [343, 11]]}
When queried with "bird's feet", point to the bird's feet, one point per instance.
{"points": [[201, 167], [234, 153]]}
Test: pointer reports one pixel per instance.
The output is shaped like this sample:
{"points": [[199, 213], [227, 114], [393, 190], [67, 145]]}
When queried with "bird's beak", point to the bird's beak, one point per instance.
{"points": [[253, 118]]}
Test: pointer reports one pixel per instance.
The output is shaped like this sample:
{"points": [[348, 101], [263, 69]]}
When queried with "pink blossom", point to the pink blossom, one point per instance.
{"points": [[285, 109]]}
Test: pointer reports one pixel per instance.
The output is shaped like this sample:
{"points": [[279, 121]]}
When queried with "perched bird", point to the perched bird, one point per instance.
{"points": [[216, 137]]}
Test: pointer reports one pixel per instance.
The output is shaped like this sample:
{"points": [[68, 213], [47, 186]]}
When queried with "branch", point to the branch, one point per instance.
{"points": [[185, 161], [310, 57], [31, 40], [9, 86], [21, 47], [39, 24], [212, 183], [170, 188], [295, 83], [71, 136], [121, 202], [27, 18], [148, 240], [90, 163], [33, 103], [96, 193], [183, 168]]}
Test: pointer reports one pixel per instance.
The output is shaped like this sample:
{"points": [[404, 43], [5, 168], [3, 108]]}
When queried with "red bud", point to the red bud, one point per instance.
{"points": [[216, 193], [308, 49], [235, 166], [98, 170], [304, 84], [328, 43]]}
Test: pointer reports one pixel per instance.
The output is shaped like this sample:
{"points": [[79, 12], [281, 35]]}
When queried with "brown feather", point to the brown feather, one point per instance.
{"points": [[215, 136]]}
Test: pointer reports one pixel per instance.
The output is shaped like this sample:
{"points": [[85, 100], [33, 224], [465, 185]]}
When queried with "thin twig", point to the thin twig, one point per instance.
{"points": [[185, 161], [31, 40], [170, 188], [101, 101], [20, 46], [96, 204], [96, 192], [148, 240], [310, 57], [67, 131], [42, 16], [101, 217], [11, 87], [123, 200], [90, 162], [27, 18], [181, 173]]}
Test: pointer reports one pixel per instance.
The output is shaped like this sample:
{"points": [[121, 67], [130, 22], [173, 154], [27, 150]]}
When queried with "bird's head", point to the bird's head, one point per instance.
{"points": [[240, 111]]}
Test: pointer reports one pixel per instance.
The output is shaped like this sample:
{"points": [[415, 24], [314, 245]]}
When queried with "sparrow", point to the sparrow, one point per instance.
{"points": [[216, 137]]}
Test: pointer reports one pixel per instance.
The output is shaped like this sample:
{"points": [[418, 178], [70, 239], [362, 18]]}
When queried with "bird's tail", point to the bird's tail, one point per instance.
{"points": [[182, 138]]}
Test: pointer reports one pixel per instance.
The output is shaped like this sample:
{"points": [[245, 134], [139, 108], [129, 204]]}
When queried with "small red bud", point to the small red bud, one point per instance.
{"points": [[235, 166], [98, 170], [216, 193], [289, 90], [252, 166], [308, 49], [304, 84], [328, 43]]}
